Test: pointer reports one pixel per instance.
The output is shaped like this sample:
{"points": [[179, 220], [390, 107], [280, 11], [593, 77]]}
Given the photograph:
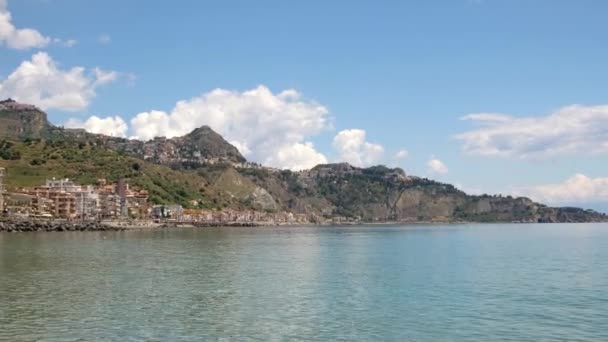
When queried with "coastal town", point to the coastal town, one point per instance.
{"points": [[119, 203]]}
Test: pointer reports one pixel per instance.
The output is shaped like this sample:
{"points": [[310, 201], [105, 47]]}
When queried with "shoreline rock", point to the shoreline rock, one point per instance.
{"points": [[48, 226]]}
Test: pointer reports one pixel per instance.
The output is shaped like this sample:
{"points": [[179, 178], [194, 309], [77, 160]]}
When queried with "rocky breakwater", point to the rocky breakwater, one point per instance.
{"points": [[37, 226]]}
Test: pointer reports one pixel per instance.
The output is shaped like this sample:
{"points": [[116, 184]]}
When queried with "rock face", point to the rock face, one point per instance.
{"points": [[383, 194], [19, 120]]}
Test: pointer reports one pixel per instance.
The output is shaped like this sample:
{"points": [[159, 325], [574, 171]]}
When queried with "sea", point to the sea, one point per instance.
{"points": [[468, 282]]}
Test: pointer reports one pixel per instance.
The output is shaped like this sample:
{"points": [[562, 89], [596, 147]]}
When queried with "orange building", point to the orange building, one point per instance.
{"points": [[63, 204]]}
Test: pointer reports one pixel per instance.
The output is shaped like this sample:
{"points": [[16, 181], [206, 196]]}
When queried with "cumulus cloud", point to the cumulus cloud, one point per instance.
{"points": [[18, 38], [299, 156], [402, 154], [41, 82], [113, 125], [266, 127], [436, 167], [571, 130], [576, 189], [353, 148]]}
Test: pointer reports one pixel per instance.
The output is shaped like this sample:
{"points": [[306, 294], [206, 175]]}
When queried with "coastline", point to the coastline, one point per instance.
{"points": [[17, 226], [65, 226], [92, 226]]}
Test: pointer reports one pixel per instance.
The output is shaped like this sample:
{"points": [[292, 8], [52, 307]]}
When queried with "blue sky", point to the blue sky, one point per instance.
{"points": [[383, 77]]}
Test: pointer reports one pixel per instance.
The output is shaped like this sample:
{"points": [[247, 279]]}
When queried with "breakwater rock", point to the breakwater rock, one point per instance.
{"points": [[212, 224], [37, 226]]}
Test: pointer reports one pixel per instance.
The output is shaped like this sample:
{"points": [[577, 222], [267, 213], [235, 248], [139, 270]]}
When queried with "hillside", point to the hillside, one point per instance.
{"points": [[202, 170], [31, 162], [202, 145], [383, 194], [20, 121]]}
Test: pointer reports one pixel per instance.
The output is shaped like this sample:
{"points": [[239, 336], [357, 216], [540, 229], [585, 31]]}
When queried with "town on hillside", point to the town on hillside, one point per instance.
{"points": [[119, 203]]}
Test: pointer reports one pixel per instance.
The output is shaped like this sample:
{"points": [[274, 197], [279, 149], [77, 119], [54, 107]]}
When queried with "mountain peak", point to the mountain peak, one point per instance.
{"points": [[208, 142], [202, 130]]}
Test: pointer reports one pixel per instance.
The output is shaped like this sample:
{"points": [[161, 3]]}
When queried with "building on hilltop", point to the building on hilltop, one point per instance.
{"points": [[10, 104]]}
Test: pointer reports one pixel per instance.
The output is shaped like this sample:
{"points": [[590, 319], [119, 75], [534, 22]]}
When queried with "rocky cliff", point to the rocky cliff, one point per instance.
{"points": [[19, 120], [384, 194]]}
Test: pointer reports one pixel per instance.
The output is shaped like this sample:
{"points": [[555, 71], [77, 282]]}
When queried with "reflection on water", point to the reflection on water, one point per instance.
{"points": [[418, 283]]}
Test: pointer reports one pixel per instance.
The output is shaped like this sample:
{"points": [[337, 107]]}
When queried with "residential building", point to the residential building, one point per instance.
{"points": [[63, 198], [62, 203], [87, 199]]}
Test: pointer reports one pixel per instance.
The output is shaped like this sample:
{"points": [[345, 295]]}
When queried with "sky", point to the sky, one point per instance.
{"points": [[494, 96]]}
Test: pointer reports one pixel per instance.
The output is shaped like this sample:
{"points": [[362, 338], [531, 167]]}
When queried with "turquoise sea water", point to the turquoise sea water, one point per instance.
{"points": [[380, 283]]}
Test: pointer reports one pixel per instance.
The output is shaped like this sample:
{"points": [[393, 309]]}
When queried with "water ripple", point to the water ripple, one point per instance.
{"points": [[414, 283]]}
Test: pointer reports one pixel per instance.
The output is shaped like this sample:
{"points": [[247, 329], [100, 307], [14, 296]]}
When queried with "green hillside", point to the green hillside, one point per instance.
{"points": [[31, 161]]}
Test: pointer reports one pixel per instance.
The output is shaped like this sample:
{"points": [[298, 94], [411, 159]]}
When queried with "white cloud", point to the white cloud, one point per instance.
{"points": [[264, 126], [112, 126], [20, 39], [576, 189], [436, 167], [104, 77], [299, 156], [571, 130], [42, 83], [402, 154], [353, 148], [104, 38], [148, 125]]}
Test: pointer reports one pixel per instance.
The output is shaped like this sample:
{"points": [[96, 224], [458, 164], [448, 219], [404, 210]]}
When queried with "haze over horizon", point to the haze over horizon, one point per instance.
{"points": [[492, 96]]}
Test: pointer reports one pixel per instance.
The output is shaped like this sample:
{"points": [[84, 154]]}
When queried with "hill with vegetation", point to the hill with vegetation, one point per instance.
{"points": [[202, 170]]}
